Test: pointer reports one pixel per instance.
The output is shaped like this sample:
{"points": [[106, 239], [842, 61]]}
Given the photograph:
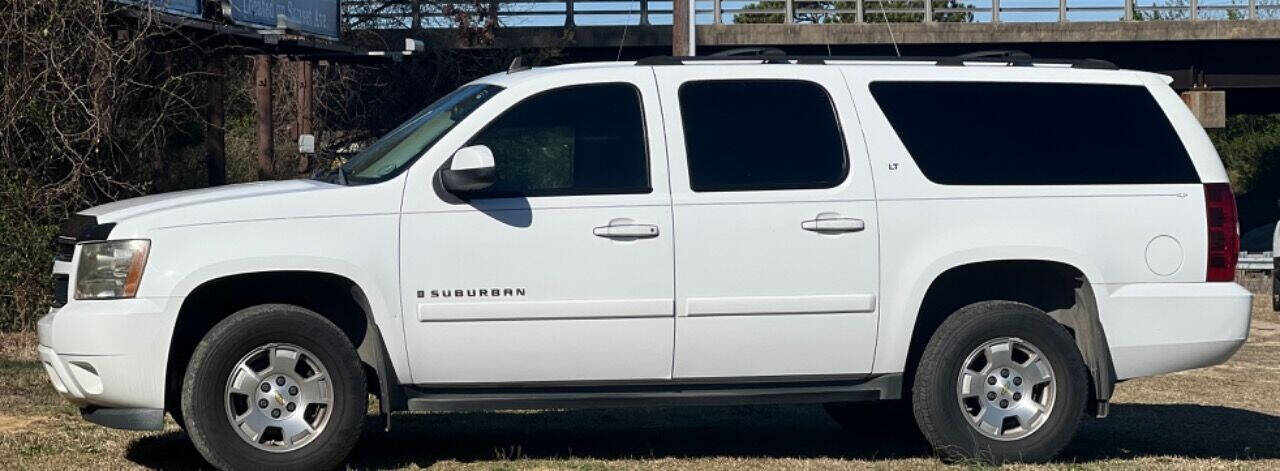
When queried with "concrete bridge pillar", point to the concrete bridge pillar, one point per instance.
{"points": [[1209, 106]]}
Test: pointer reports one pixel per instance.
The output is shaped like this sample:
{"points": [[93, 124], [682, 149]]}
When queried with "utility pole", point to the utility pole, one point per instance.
{"points": [[305, 97], [262, 114], [680, 27], [215, 144]]}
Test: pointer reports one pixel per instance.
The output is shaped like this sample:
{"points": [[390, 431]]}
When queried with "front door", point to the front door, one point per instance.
{"points": [[777, 264], [562, 271]]}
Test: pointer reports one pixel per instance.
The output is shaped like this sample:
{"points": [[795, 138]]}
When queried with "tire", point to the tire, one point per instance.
{"points": [[224, 372], [969, 348], [891, 417]]}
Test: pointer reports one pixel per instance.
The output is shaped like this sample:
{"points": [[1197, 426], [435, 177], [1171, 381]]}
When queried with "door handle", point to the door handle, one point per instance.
{"points": [[833, 223], [626, 229]]}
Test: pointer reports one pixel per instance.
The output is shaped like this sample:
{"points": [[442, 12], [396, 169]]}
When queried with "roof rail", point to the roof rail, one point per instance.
{"points": [[1017, 58], [766, 56], [749, 51]]}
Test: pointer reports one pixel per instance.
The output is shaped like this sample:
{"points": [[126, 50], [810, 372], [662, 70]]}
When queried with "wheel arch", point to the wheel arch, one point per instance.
{"points": [[334, 296], [1060, 288]]}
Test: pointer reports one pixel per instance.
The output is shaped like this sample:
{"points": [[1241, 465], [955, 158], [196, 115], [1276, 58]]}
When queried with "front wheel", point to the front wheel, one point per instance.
{"points": [[274, 387], [1000, 381]]}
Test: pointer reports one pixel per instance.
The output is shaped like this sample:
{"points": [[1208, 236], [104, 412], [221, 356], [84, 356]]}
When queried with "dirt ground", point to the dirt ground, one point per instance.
{"points": [[1224, 417]]}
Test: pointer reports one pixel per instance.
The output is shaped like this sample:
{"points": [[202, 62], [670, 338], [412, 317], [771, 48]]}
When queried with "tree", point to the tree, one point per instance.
{"points": [[1177, 10], [874, 11], [1250, 149]]}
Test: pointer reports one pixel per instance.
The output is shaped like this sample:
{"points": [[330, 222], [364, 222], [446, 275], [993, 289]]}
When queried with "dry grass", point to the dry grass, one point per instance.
{"points": [[1225, 417]]}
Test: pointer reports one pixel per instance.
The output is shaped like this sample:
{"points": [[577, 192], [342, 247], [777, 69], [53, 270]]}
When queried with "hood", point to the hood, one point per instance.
{"points": [[224, 203]]}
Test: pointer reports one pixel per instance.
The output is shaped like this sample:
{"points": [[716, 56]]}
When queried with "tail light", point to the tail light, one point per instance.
{"points": [[1224, 232]]}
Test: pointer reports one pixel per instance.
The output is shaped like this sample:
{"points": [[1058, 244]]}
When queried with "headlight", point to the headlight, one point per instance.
{"points": [[111, 269]]}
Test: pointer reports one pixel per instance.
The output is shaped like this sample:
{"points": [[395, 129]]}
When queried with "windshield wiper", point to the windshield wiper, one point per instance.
{"points": [[337, 175]]}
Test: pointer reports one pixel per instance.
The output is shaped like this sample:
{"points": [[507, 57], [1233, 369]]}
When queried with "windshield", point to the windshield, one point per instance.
{"points": [[392, 153]]}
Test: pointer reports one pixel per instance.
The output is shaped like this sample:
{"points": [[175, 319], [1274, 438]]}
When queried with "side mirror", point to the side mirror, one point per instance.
{"points": [[471, 169]]}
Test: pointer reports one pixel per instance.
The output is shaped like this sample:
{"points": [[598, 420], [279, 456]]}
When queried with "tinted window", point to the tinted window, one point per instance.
{"points": [[586, 139], [761, 135], [973, 133]]}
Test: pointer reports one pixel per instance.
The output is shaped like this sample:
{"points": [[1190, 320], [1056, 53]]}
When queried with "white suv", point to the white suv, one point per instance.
{"points": [[989, 244]]}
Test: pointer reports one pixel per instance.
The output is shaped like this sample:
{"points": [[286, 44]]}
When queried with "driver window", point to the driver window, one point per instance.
{"points": [[577, 140]]}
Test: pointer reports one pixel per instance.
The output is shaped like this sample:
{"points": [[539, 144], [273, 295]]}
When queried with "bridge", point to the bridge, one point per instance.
{"points": [[1222, 54], [1223, 45], [611, 23]]}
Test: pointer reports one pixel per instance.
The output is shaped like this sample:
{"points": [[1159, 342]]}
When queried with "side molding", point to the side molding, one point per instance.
{"points": [[661, 394]]}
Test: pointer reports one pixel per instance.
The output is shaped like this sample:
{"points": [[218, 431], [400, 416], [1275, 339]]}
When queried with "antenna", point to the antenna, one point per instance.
{"points": [[624, 34], [890, 27], [517, 65]]}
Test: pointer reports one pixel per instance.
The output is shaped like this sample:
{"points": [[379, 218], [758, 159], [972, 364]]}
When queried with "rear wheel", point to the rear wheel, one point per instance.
{"points": [[274, 386], [1000, 381]]}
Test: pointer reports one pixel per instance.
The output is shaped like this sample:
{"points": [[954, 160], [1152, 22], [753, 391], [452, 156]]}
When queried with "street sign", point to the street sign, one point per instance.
{"points": [[314, 17], [192, 8]]}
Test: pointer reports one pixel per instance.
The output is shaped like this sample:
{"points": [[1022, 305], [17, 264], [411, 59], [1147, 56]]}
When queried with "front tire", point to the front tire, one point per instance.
{"points": [[1000, 381], [274, 387]]}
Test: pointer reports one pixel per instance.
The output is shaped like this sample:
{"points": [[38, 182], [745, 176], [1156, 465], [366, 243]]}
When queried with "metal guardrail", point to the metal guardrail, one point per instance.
{"points": [[1256, 261], [413, 14]]}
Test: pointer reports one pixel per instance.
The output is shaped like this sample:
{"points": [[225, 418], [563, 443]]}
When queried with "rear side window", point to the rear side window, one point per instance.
{"points": [[743, 135], [577, 140], [989, 133]]}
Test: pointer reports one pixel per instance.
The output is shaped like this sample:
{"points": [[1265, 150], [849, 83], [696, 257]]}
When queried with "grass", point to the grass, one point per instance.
{"points": [[1224, 417]]}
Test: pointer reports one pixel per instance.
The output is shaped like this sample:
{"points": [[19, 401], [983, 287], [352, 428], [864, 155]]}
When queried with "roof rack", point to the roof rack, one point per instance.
{"points": [[772, 56]]}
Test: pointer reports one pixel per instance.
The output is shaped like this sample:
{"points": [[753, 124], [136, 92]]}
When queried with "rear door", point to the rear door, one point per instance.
{"points": [[775, 223]]}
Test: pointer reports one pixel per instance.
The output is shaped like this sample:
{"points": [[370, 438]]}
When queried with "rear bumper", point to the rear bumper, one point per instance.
{"points": [[1155, 328]]}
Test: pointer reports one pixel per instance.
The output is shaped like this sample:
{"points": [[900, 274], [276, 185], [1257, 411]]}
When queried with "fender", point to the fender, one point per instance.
{"points": [[388, 355], [901, 309]]}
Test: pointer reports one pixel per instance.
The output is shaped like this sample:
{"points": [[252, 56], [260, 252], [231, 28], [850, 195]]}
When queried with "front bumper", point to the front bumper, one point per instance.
{"points": [[1156, 328], [125, 419], [110, 355]]}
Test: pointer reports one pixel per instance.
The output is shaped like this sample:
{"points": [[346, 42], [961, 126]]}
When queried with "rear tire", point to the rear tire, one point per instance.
{"points": [[277, 387], [965, 398]]}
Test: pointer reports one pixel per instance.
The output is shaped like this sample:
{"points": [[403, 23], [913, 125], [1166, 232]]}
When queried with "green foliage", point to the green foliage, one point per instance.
{"points": [[1181, 10], [1176, 10], [873, 12], [1250, 149], [87, 115], [97, 106], [26, 251]]}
